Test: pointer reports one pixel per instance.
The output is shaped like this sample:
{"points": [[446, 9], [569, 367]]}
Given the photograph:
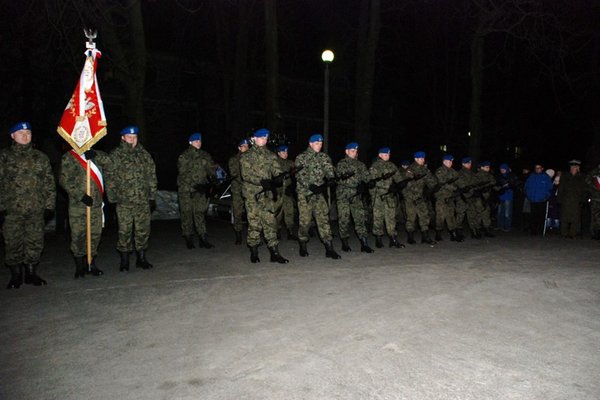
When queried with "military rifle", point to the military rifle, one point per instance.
{"points": [[329, 182], [271, 185], [397, 187]]}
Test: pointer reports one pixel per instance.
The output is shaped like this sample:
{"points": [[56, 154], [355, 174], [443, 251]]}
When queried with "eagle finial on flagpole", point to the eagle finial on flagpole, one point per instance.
{"points": [[91, 34]]}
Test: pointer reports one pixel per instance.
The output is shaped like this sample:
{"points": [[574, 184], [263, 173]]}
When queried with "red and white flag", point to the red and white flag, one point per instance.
{"points": [[83, 122]]}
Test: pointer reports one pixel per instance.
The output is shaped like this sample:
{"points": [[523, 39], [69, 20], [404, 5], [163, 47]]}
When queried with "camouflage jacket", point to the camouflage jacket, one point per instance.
{"points": [[446, 178], [256, 164], [487, 183], [421, 178], [234, 173], [132, 175], [466, 181], [26, 180], [73, 177], [592, 181], [286, 166], [316, 169], [194, 166], [346, 188], [378, 169]]}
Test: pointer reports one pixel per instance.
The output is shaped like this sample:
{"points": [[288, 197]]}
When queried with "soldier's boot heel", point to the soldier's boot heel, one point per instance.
{"points": [[438, 236], [189, 242], [93, 269], [426, 239], [142, 262], [411, 238], [31, 276], [204, 243], [16, 277], [303, 251], [345, 245], [364, 245], [124, 264], [394, 242], [238, 237], [276, 257], [460, 236], [79, 267], [254, 254], [378, 242], [330, 252]]}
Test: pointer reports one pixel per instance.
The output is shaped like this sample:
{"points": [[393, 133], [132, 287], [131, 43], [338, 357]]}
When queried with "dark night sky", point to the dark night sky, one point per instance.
{"points": [[533, 99]]}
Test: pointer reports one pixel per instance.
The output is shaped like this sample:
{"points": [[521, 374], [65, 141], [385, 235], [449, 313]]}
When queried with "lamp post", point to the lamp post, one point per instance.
{"points": [[327, 57]]}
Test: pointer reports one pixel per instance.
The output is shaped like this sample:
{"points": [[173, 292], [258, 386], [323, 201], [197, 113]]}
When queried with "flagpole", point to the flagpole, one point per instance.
{"points": [[88, 212]]}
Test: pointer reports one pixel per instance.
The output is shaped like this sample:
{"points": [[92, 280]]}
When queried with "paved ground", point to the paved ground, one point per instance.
{"points": [[506, 318]]}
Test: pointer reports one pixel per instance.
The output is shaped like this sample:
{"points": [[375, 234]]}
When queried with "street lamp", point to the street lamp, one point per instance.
{"points": [[327, 57]]}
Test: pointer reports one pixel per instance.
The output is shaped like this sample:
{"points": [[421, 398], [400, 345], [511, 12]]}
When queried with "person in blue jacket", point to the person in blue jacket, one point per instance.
{"points": [[507, 181], [537, 189]]}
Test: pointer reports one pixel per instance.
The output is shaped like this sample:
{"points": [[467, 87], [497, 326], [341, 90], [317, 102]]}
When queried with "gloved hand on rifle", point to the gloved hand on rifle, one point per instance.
{"points": [[278, 181], [267, 184], [317, 189], [363, 187]]}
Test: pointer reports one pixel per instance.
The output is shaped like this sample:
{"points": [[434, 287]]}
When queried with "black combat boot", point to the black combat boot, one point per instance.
{"points": [[364, 245], [238, 237], [394, 242], [93, 270], [202, 242], [379, 242], [303, 251], [254, 254], [189, 242], [31, 277], [124, 265], [290, 234], [460, 235], [488, 233], [475, 234], [438, 236], [80, 266], [16, 277], [141, 260], [345, 245], [454, 237], [276, 257], [411, 238], [426, 239], [330, 252]]}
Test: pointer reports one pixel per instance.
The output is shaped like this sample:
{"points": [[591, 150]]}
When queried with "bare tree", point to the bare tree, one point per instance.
{"points": [[271, 66]]}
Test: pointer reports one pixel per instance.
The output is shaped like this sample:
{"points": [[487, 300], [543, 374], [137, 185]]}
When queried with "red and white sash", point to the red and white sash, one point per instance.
{"points": [[95, 172], [597, 182]]}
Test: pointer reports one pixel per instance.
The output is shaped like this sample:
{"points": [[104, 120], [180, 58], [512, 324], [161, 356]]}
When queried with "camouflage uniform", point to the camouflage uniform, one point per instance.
{"points": [[317, 168], [73, 180], [285, 206], [195, 167], [349, 201], [465, 204], [415, 200], [27, 188], [237, 201], [482, 200], [256, 164], [445, 198], [384, 203], [593, 186], [131, 184]]}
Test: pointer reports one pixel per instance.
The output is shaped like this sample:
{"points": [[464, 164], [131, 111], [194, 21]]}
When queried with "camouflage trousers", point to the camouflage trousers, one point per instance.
{"points": [[77, 222], [351, 208], [286, 211], [444, 213], [192, 210], [468, 209], [261, 218], [595, 213], [237, 209], [417, 209], [483, 212], [134, 225], [313, 206], [384, 215], [23, 237]]}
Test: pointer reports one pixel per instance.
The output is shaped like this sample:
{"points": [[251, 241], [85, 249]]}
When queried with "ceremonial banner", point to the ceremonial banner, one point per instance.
{"points": [[83, 122]]}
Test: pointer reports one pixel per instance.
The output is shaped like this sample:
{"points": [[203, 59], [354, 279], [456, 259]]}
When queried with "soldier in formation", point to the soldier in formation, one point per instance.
{"points": [[237, 201], [416, 200], [286, 203], [132, 187], [445, 200], [27, 193]]}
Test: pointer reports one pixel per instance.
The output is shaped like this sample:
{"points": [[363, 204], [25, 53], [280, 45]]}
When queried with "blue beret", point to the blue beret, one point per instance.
{"points": [[467, 160], [19, 126], [243, 142], [317, 137], [404, 162], [384, 150], [351, 146], [263, 132], [504, 166], [130, 130], [485, 164], [419, 154], [282, 148], [195, 136], [448, 157]]}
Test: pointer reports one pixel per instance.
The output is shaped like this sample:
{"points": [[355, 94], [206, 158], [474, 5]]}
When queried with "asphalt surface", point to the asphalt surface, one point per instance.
{"points": [[512, 317]]}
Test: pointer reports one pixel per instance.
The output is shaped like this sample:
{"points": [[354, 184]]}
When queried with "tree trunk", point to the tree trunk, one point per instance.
{"points": [[135, 87], [271, 66], [475, 120]]}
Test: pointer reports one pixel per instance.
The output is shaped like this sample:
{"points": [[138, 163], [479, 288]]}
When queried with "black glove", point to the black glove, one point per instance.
{"points": [[152, 205], [87, 200], [394, 188], [362, 188], [278, 181], [267, 184], [201, 188], [90, 154], [317, 189], [371, 184], [48, 215], [289, 190]]}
